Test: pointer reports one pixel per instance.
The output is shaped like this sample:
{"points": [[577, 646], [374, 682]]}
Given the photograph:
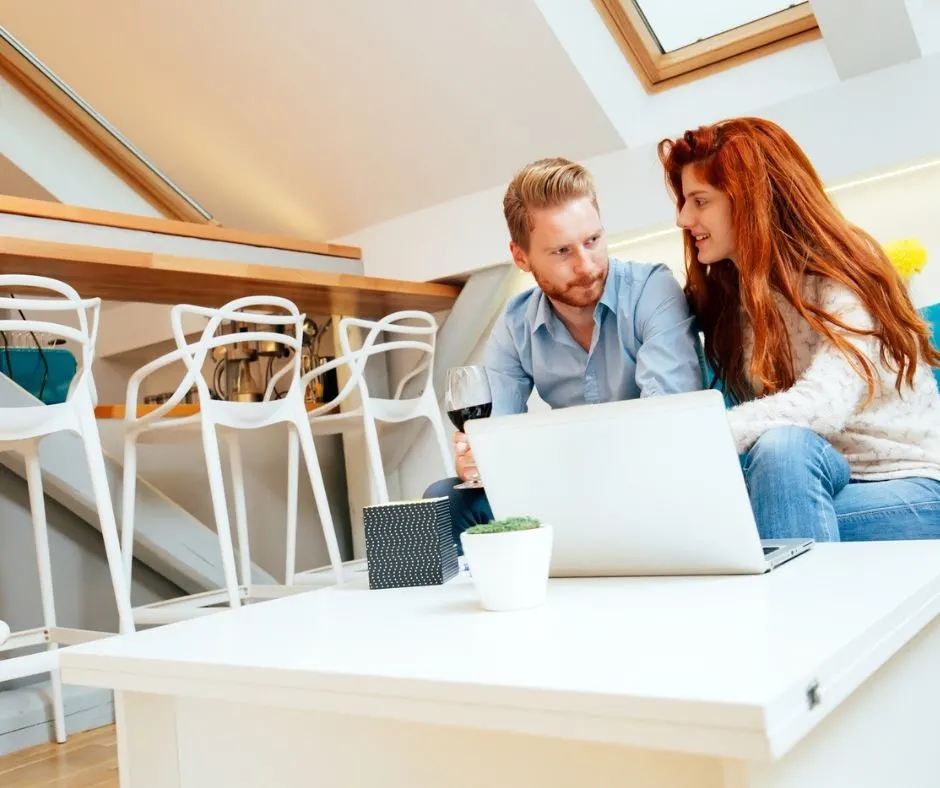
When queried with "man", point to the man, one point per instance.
{"points": [[593, 330]]}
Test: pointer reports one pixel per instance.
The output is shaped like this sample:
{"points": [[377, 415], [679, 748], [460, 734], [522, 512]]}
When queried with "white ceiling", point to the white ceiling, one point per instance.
{"points": [[319, 117]]}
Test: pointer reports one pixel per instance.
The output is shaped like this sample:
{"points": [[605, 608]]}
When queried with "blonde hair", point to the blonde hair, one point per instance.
{"points": [[546, 183]]}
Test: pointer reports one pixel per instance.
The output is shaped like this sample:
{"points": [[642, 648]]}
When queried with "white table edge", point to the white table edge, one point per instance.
{"points": [[838, 679], [704, 739], [754, 732]]}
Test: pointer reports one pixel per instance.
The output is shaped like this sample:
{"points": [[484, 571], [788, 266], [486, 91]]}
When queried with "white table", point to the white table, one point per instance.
{"points": [[824, 673]]}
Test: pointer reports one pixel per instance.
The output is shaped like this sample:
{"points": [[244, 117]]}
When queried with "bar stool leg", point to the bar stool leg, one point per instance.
{"points": [[128, 504], [309, 449], [112, 544], [223, 528], [293, 468], [241, 507], [37, 506]]}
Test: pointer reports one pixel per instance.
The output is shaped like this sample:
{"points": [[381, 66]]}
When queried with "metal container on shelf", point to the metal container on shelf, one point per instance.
{"points": [[241, 365], [318, 388]]}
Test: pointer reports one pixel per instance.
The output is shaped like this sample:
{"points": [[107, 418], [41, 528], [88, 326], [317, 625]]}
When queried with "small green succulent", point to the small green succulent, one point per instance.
{"points": [[505, 525]]}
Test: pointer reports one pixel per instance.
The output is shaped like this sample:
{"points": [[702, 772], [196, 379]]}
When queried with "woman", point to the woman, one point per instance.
{"points": [[809, 328]]}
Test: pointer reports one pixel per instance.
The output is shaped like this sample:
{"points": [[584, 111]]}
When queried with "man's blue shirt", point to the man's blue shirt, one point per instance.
{"points": [[644, 344]]}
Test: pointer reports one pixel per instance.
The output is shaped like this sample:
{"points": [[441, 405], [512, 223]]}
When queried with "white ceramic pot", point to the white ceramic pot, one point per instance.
{"points": [[510, 570]]}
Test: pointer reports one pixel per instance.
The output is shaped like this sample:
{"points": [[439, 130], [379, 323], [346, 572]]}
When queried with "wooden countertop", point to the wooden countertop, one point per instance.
{"points": [[122, 275]]}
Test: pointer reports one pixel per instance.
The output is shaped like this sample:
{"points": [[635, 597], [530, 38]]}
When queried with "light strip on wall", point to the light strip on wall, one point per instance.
{"points": [[884, 176], [641, 238], [831, 190]]}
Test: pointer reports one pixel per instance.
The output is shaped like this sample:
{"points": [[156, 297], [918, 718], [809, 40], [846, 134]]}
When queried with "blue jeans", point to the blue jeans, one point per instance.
{"points": [[467, 507], [800, 486]]}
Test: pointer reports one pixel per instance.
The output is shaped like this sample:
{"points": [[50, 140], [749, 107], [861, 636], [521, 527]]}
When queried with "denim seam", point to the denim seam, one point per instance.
{"points": [[917, 507]]}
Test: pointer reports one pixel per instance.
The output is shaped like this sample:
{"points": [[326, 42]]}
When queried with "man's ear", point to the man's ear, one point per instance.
{"points": [[519, 257]]}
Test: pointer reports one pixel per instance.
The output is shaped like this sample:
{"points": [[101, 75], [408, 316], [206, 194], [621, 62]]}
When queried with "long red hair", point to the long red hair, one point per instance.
{"points": [[785, 228]]}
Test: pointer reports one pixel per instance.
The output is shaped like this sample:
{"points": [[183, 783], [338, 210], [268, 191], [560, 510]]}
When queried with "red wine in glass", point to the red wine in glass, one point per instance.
{"points": [[460, 415], [467, 396]]}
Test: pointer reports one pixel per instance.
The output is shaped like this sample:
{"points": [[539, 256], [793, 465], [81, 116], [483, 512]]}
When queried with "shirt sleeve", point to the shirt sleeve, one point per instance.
{"points": [[668, 360], [510, 384], [827, 394]]}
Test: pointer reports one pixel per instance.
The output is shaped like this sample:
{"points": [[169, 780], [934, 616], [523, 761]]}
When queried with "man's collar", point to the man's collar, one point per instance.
{"points": [[542, 313], [609, 296]]}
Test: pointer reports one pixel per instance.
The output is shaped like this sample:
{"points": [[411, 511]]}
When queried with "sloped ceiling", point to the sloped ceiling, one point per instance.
{"points": [[319, 117]]}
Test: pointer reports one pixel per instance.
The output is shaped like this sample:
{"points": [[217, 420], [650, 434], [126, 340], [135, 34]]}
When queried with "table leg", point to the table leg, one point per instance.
{"points": [[146, 740]]}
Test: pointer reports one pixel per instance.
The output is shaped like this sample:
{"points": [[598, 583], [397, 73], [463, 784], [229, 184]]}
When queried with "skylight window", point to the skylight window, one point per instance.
{"points": [[679, 23], [671, 41]]}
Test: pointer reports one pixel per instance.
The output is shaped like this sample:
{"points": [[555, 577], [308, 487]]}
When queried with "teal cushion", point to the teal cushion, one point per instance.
{"points": [[29, 371], [932, 315]]}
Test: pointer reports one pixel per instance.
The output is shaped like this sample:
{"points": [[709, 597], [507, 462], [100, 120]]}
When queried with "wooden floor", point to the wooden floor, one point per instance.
{"points": [[86, 760]]}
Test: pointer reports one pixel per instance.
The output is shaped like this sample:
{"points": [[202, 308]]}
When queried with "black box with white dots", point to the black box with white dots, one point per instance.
{"points": [[410, 543]]}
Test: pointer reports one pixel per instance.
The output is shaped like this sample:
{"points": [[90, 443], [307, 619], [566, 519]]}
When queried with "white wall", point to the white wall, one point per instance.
{"points": [[902, 207]]}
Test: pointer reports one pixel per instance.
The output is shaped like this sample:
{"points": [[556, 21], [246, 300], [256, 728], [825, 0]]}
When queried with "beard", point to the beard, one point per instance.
{"points": [[579, 294]]}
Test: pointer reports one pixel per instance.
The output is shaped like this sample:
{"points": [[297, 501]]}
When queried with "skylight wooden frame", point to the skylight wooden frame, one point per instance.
{"points": [[659, 71]]}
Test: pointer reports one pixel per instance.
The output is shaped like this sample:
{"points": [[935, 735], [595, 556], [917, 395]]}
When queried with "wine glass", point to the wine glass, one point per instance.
{"points": [[467, 396]]}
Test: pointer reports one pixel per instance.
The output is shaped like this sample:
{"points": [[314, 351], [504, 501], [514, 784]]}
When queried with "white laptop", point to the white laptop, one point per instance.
{"points": [[651, 486]]}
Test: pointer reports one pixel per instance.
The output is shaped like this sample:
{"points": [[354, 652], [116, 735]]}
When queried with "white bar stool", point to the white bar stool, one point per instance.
{"points": [[21, 430], [215, 418], [420, 328]]}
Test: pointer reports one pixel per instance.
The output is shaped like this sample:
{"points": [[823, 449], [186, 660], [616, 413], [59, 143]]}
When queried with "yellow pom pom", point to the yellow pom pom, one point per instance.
{"points": [[907, 256]]}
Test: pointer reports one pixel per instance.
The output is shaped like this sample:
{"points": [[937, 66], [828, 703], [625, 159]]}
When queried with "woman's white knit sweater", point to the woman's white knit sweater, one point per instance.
{"points": [[895, 436]]}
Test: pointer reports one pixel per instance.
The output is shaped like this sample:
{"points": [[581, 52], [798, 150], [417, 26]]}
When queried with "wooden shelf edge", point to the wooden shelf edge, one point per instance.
{"points": [[123, 275], [43, 209]]}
